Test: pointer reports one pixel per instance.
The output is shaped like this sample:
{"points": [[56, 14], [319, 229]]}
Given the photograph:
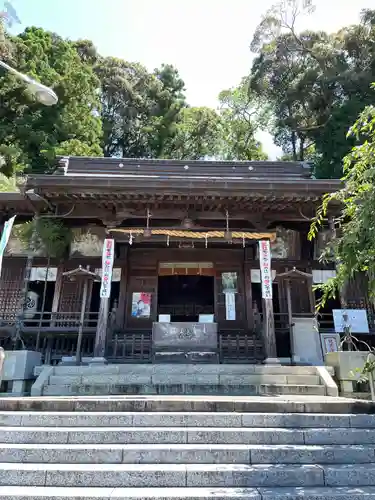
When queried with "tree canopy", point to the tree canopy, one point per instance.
{"points": [[107, 107], [353, 246], [305, 87], [29, 132], [315, 83]]}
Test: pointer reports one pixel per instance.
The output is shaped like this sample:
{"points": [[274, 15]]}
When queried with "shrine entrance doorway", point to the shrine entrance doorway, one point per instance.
{"points": [[186, 291]]}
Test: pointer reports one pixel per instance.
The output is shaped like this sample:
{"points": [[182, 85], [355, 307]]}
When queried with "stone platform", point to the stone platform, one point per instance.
{"points": [[190, 404], [184, 379]]}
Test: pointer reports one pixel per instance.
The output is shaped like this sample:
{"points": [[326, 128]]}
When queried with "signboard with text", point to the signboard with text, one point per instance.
{"points": [[265, 268], [107, 266], [353, 319]]}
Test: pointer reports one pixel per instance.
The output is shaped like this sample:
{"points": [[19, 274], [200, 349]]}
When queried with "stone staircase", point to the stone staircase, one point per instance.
{"points": [[260, 448], [184, 379]]}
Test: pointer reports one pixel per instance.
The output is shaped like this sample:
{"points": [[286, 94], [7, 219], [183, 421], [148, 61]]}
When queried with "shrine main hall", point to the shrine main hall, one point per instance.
{"points": [[208, 262]]}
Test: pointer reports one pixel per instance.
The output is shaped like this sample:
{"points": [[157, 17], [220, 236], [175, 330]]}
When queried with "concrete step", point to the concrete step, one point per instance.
{"points": [[188, 369], [53, 493], [186, 475], [185, 454], [289, 493], [183, 419], [181, 389], [186, 435], [194, 404], [174, 379]]}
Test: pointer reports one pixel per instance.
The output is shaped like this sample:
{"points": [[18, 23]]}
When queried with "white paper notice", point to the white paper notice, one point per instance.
{"points": [[230, 306]]}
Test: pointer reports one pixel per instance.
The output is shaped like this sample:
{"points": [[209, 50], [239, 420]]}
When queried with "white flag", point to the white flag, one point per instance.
{"points": [[5, 238]]}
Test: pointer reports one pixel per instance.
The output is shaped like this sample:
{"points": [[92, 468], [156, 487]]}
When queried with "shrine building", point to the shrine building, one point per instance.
{"points": [[208, 262]]}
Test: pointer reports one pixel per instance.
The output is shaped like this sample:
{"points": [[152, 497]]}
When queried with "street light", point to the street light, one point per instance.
{"points": [[43, 94]]}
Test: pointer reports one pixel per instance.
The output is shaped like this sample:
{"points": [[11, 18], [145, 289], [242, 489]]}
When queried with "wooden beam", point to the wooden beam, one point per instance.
{"points": [[122, 306], [248, 297], [58, 287], [269, 337], [101, 329]]}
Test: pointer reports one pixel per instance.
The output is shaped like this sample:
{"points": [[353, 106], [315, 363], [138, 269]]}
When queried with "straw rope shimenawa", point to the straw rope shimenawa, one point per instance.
{"points": [[201, 234]]}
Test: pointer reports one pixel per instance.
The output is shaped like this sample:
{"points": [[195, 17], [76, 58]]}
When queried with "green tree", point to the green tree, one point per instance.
{"points": [[139, 110], [358, 46], [30, 132], [353, 247], [125, 106], [197, 134], [241, 116], [169, 100], [316, 83]]}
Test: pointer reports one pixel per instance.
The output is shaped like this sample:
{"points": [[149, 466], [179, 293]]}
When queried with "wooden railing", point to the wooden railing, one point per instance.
{"points": [[55, 334], [233, 346], [52, 346], [240, 347], [130, 347], [54, 321]]}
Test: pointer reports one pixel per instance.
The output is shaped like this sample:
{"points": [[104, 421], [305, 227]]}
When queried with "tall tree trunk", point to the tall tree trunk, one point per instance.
{"points": [[294, 146]]}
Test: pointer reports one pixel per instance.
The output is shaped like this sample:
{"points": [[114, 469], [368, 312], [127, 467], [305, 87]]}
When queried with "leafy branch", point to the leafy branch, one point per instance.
{"points": [[50, 234], [353, 247]]}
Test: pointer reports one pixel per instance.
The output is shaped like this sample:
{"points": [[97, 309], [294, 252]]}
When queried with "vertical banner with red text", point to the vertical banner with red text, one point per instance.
{"points": [[265, 268], [107, 266]]}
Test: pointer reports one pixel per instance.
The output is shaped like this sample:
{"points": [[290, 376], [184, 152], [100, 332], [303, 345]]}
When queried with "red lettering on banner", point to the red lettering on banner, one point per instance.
{"points": [[265, 269]]}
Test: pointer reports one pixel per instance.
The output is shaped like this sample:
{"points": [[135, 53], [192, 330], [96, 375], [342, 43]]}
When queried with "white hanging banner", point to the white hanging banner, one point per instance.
{"points": [[5, 238], [116, 273], [230, 306], [108, 257], [265, 268]]}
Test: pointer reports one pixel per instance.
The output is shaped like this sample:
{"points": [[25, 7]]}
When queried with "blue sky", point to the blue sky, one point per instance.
{"points": [[207, 40]]}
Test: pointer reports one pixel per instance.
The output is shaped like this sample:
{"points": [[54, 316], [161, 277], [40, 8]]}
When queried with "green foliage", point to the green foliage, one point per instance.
{"points": [[315, 83], [49, 234], [353, 246], [170, 101], [8, 184], [363, 375], [140, 111], [197, 135], [241, 115], [33, 132], [111, 107], [306, 88]]}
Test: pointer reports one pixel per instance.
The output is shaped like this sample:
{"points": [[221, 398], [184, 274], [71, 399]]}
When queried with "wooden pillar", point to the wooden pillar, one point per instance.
{"points": [[122, 302], [343, 292], [269, 337], [101, 329], [310, 284], [82, 320], [290, 318], [102, 326], [26, 281], [58, 288], [248, 298]]}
